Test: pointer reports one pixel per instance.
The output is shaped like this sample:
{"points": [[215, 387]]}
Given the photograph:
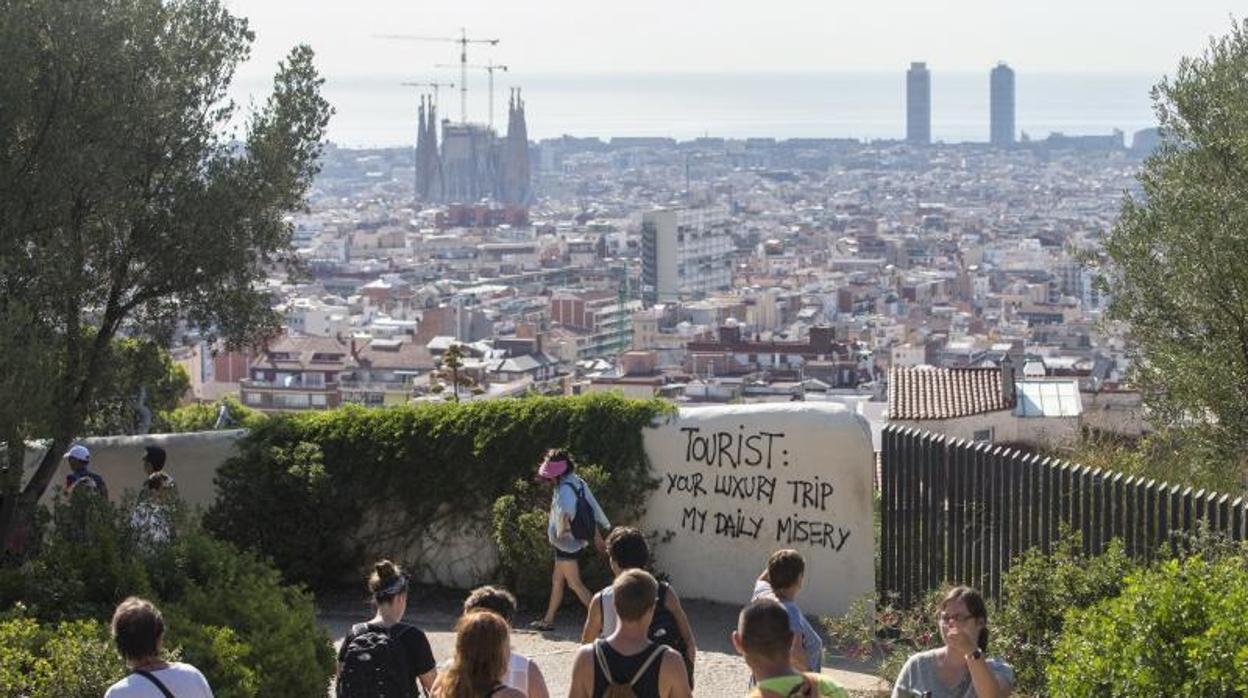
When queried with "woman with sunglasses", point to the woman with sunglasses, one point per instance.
{"points": [[960, 669]]}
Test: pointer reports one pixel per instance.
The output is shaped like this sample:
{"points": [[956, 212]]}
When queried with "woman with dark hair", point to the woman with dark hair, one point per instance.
{"points": [[482, 654], [960, 669], [576, 520], [139, 631], [385, 656]]}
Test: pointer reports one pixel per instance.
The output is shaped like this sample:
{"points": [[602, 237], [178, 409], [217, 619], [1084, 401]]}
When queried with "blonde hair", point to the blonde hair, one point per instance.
{"points": [[482, 646]]}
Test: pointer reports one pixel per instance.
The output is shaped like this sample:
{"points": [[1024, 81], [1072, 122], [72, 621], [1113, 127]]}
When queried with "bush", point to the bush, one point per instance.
{"points": [[302, 484], [885, 634], [203, 417], [72, 659], [227, 611], [1180, 629], [1039, 590]]}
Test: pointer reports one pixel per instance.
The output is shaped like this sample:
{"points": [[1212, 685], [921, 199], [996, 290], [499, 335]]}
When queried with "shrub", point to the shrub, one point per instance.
{"points": [[425, 466], [1038, 591], [886, 634], [227, 611], [202, 416], [1180, 629], [72, 659]]}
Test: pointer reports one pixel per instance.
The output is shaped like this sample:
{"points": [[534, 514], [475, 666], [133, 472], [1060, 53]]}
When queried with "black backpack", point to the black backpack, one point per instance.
{"points": [[663, 628], [584, 525], [374, 665]]}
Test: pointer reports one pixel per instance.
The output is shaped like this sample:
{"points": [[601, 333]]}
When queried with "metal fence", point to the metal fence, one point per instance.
{"points": [[956, 511]]}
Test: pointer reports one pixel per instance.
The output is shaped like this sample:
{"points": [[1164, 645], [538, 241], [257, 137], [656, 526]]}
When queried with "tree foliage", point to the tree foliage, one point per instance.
{"points": [[1178, 278], [1180, 629], [128, 202]]}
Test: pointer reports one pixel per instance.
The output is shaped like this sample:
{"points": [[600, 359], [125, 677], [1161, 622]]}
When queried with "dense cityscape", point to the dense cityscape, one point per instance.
{"points": [[710, 270]]}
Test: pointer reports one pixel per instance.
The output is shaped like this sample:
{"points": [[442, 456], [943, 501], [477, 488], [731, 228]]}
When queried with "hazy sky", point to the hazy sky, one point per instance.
{"points": [[543, 36]]}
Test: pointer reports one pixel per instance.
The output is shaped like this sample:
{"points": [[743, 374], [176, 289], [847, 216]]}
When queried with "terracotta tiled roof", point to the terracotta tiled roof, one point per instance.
{"points": [[944, 393]]}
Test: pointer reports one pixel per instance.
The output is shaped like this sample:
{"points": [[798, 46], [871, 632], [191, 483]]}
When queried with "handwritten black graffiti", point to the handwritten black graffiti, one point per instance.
{"points": [[821, 534], [693, 519], [760, 488], [720, 449], [811, 494], [686, 483], [737, 525]]}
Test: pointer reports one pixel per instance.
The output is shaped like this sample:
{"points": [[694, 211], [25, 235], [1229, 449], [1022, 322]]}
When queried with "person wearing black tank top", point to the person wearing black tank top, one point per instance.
{"points": [[628, 656]]}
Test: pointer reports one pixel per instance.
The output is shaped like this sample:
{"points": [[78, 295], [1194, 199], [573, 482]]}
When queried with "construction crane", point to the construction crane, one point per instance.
{"points": [[463, 42], [489, 68], [435, 85]]}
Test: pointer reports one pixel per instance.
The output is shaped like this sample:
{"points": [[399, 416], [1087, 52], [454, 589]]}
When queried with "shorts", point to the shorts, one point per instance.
{"points": [[560, 555]]}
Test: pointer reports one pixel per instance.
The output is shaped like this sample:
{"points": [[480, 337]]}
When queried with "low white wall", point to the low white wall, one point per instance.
{"points": [[737, 483], [740, 482], [193, 460]]}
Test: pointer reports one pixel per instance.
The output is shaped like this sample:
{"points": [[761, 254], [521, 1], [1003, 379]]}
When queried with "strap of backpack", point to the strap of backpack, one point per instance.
{"points": [[602, 660], [658, 652], [158, 683], [663, 587]]}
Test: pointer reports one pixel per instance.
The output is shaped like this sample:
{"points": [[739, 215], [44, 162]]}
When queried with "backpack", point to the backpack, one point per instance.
{"points": [[584, 525], [623, 690], [808, 688], [663, 628], [372, 665]]}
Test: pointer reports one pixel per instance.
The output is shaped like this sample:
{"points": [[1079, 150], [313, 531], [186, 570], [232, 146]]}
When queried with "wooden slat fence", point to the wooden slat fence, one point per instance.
{"points": [[957, 511]]}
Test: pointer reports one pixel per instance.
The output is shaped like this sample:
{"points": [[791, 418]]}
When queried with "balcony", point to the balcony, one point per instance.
{"points": [[287, 385]]}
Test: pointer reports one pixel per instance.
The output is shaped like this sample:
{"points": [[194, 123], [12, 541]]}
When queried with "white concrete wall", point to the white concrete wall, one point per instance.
{"points": [[193, 460], [739, 482]]}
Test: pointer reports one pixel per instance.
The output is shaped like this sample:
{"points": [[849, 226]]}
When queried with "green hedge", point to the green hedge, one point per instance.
{"points": [[227, 611], [302, 485], [1180, 629], [72, 659]]}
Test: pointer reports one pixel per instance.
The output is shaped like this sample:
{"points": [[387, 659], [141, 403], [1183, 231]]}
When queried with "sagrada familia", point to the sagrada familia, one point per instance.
{"points": [[474, 163]]}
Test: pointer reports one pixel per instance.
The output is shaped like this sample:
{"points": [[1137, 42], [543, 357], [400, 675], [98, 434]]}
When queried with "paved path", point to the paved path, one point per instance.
{"points": [[720, 672]]}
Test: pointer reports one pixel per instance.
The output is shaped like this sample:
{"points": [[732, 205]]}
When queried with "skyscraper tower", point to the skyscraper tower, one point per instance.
{"points": [[1001, 83], [918, 104]]}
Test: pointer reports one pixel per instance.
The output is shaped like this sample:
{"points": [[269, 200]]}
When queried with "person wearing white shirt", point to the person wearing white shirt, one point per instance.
{"points": [[138, 630]]}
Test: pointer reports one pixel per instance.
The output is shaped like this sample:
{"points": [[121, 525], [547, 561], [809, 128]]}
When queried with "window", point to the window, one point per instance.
{"points": [[311, 379], [319, 401], [983, 435], [253, 398]]}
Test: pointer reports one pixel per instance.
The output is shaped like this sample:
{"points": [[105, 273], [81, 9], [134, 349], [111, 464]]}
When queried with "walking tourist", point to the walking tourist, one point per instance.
{"points": [[80, 475], [480, 665], [575, 522], [626, 550], [627, 663], [960, 669], [782, 581], [152, 518], [523, 673], [765, 638], [385, 657], [154, 458], [139, 631]]}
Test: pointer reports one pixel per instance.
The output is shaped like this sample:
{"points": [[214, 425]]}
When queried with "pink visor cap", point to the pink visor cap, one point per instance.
{"points": [[552, 469]]}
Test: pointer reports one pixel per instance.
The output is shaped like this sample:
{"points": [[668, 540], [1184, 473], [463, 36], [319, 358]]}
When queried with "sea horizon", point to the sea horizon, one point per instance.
{"points": [[374, 110]]}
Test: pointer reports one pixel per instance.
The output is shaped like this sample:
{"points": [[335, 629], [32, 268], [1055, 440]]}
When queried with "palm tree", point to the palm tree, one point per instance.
{"points": [[452, 361]]}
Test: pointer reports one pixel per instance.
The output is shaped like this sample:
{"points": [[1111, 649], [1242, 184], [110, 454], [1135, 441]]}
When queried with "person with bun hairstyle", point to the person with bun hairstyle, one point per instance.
{"points": [[482, 656], [385, 656], [573, 509], [962, 668]]}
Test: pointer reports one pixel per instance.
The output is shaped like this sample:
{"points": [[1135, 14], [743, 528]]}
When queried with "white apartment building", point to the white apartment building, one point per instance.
{"points": [[685, 253]]}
